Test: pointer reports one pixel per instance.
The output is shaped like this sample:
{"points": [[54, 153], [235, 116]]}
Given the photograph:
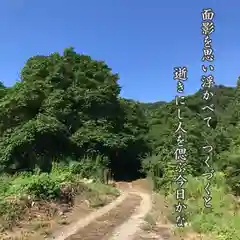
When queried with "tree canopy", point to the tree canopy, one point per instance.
{"points": [[69, 106], [223, 134]]}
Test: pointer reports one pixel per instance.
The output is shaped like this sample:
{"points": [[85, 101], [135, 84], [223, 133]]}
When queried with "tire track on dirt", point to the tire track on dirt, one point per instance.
{"points": [[102, 227], [74, 227], [118, 220], [129, 228]]}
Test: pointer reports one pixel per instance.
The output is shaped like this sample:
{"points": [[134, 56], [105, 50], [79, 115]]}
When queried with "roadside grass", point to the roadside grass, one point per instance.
{"points": [[221, 222], [25, 196]]}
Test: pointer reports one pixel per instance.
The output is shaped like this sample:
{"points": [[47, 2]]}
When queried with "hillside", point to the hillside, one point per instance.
{"points": [[64, 121], [223, 134]]}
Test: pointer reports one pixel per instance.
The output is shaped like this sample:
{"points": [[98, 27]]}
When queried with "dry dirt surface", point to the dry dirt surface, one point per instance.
{"points": [[157, 225], [131, 226], [103, 226], [119, 220], [83, 220]]}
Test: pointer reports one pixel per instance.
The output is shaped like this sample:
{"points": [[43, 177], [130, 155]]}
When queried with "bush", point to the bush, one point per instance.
{"points": [[222, 220], [89, 167], [62, 184]]}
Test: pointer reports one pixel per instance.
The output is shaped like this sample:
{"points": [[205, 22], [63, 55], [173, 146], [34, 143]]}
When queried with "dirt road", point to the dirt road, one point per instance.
{"points": [[119, 220], [130, 227]]}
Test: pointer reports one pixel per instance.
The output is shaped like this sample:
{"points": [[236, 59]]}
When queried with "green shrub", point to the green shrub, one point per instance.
{"points": [[221, 220]]}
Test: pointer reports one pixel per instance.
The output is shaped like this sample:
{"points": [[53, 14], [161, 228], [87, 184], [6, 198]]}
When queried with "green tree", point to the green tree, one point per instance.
{"points": [[69, 105]]}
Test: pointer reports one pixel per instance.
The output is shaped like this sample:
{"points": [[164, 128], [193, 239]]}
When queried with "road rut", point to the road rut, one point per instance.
{"points": [[119, 220]]}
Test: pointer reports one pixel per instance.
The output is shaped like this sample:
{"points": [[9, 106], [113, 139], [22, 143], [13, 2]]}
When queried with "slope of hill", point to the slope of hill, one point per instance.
{"points": [[66, 111]]}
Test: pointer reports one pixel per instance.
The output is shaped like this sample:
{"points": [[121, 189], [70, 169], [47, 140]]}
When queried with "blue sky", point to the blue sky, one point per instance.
{"points": [[141, 40]]}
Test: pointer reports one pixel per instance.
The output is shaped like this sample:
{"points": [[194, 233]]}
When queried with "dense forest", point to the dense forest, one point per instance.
{"points": [[223, 134], [67, 108]]}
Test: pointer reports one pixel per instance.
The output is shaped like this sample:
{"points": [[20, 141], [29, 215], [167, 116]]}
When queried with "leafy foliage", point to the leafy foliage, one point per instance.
{"points": [[68, 106], [67, 109], [223, 135]]}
